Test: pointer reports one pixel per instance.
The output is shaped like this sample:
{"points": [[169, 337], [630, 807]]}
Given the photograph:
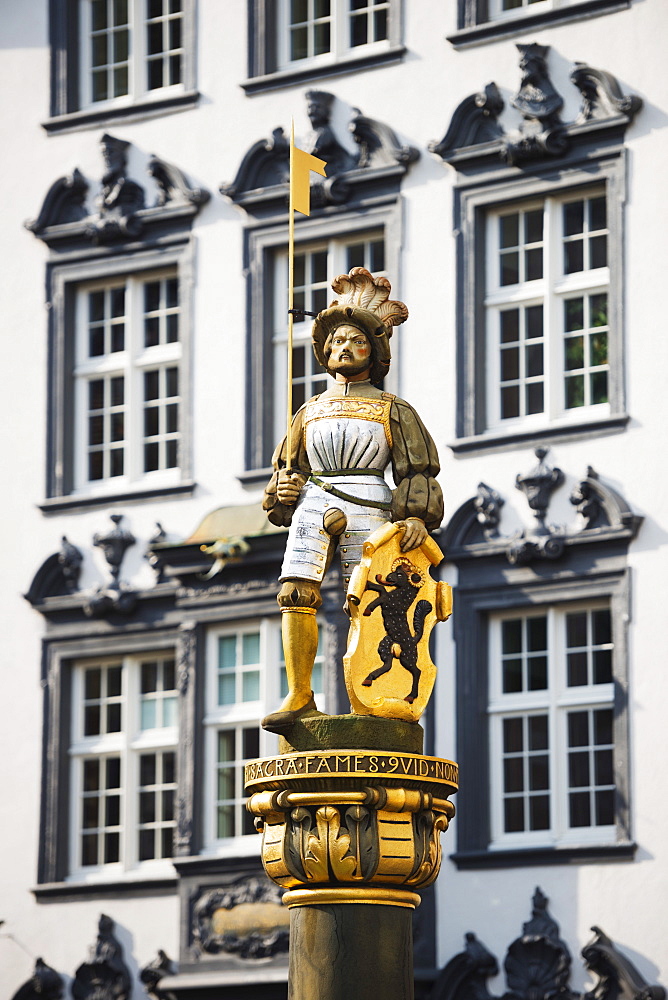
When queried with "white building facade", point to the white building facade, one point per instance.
{"points": [[501, 161]]}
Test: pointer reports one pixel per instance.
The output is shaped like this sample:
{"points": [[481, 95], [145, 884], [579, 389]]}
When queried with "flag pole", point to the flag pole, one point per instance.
{"points": [[291, 297]]}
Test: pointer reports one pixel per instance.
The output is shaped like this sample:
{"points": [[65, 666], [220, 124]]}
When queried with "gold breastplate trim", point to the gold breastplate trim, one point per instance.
{"points": [[358, 407]]}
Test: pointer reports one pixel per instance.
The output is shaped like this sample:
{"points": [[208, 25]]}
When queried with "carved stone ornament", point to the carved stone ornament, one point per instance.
{"points": [[119, 212], [69, 560], [537, 967], [105, 976], [44, 984], [375, 820], [161, 966], [261, 183], [475, 134], [246, 919], [117, 596], [604, 515]]}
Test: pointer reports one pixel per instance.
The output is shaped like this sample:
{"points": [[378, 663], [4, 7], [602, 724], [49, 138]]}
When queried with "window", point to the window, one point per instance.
{"points": [[311, 29], [540, 308], [551, 727], [304, 39], [315, 267], [127, 382], [112, 57], [547, 309], [245, 680], [123, 765], [481, 19]]}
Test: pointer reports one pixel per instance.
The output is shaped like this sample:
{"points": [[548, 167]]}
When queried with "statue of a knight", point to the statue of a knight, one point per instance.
{"points": [[331, 490]]}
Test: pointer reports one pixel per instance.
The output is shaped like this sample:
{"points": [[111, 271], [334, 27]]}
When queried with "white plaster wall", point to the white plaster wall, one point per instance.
{"points": [[417, 98]]}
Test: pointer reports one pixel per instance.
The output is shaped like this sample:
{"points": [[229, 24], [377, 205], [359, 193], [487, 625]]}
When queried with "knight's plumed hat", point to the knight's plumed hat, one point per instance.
{"points": [[364, 303]]}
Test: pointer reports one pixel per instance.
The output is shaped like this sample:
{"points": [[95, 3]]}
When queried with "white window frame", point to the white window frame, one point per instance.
{"points": [[138, 59], [128, 744], [551, 291], [131, 363], [237, 717], [496, 12], [336, 250], [556, 701], [340, 47]]}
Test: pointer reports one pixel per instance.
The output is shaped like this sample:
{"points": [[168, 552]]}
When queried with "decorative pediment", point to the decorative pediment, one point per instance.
{"points": [[118, 212], [603, 516], [475, 135], [378, 163], [538, 965]]}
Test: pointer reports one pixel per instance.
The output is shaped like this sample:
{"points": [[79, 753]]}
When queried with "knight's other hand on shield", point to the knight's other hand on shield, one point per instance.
{"points": [[331, 490]]}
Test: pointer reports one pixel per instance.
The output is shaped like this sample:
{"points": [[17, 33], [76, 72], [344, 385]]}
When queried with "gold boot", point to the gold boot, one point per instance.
{"points": [[299, 630]]}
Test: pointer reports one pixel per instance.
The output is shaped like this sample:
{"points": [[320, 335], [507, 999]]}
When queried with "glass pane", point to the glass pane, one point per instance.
{"points": [[574, 391], [319, 266], [598, 251], [510, 326], [513, 741], [225, 821], [605, 808], [172, 378], [114, 681], [227, 652], [169, 768], [539, 774], [151, 421], [154, 38], [151, 331], [170, 715], [96, 394], [90, 817], [151, 385], [577, 669], [89, 847], [579, 809], [95, 466], [509, 230], [573, 256], [598, 349], [167, 842], [536, 634], [168, 804], [91, 775], [573, 314], [603, 770], [603, 726], [321, 39], [510, 364], [117, 427], [513, 821], [573, 353], [534, 360], [250, 646], [149, 677], [578, 769], [298, 50], [92, 683], [511, 636], [578, 729], [539, 812], [510, 268], [111, 848], [226, 746], [95, 342], [226, 689], [155, 74], [513, 774], [226, 783], [533, 264], [376, 256], [120, 81], [151, 457], [379, 25], [576, 629], [250, 685], [358, 30], [599, 387], [597, 213], [149, 713], [100, 90], [91, 720], [147, 807], [534, 397], [602, 666], [533, 226], [99, 14], [573, 218], [251, 743], [510, 402], [118, 391], [116, 462], [538, 732], [512, 676], [147, 769], [537, 673], [534, 322], [146, 845]]}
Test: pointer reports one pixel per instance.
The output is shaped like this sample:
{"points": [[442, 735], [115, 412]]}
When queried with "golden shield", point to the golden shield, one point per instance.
{"points": [[394, 603]]}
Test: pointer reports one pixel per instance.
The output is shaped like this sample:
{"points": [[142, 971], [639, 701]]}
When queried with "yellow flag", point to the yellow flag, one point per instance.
{"points": [[301, 164]]}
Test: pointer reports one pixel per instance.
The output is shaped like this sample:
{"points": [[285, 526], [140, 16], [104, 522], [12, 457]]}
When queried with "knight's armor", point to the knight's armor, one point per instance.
{"points": [[348, 444]]}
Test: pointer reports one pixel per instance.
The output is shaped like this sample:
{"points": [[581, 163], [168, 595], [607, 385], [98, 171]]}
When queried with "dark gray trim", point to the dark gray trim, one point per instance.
{"points": [[140, 110], [474, 27], [477, 860], [260, 245], [262, 56], [554, 433], [65, 46], [124, 888], [487, 586], [473, 198], [288, 78], [56, 505], [62, 280]]}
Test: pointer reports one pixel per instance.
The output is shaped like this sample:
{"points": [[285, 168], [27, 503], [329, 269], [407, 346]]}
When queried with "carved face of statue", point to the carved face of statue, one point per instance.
{"points": [[318, 113], [350, 352]]}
